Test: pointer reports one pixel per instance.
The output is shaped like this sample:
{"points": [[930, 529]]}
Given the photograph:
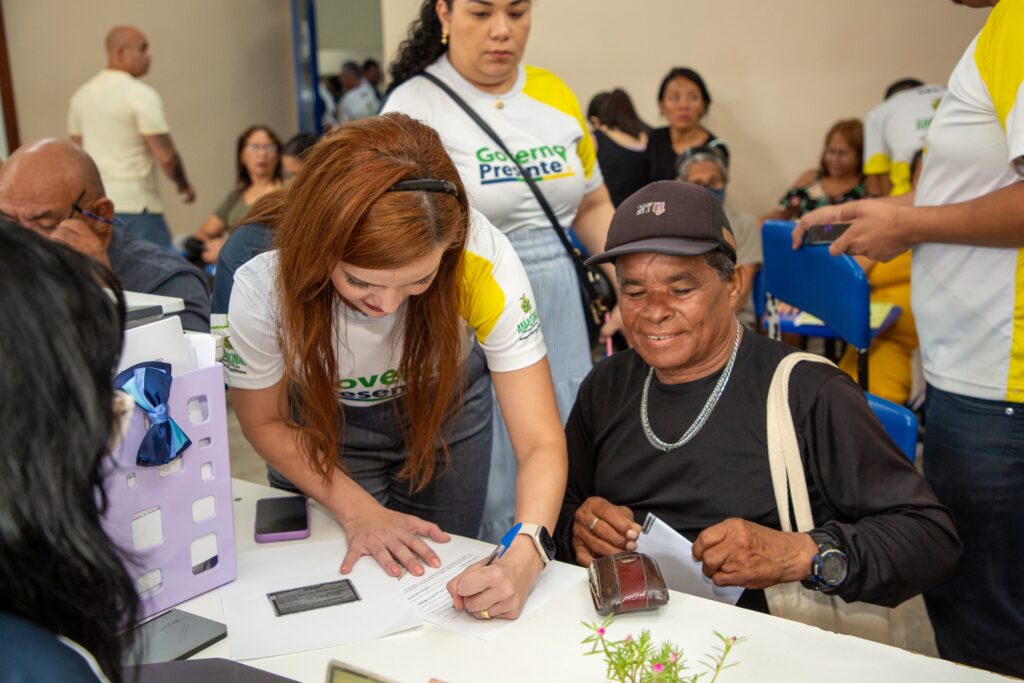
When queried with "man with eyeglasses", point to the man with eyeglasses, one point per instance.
{"points": [[53, 187], [120, 122]]}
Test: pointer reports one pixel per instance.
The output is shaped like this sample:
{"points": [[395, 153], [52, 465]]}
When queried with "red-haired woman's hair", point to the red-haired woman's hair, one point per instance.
{"points": [[852, 132], [338, 209]]}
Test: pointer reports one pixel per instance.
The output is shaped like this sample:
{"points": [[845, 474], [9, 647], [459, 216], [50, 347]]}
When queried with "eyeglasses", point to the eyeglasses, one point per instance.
{"points": [[256, 148], [116, 222]]}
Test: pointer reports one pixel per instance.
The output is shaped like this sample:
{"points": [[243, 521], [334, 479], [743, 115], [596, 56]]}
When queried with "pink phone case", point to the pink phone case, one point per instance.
{"points": [[281, 535]]}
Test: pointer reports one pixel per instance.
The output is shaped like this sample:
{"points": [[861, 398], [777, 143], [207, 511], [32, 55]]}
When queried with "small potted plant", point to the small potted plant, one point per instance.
{"points": [[638, 660]]}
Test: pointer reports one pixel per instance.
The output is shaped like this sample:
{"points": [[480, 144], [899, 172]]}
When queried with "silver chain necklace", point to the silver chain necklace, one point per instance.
{"points": [[705, 412]]}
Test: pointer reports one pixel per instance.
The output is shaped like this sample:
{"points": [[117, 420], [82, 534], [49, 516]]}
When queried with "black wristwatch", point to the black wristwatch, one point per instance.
{"points": [[829, 567]]}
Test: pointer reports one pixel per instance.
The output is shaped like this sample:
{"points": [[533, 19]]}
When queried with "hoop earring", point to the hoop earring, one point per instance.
{"points": [[444, 36]]}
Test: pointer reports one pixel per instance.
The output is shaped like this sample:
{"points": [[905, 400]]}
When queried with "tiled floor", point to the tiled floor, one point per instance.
{"points": [[246, 464]]}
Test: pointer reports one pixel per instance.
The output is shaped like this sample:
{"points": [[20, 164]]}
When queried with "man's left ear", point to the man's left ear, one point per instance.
{"points": [[736, 282]]}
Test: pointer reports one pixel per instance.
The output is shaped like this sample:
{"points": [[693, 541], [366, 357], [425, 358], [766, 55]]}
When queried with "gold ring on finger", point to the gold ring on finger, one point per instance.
{"points": [[485, 614]]}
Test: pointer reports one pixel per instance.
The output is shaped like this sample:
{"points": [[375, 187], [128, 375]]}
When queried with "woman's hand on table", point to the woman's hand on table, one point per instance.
{"points": [[601, 528], [392, 538], [498, 591]]}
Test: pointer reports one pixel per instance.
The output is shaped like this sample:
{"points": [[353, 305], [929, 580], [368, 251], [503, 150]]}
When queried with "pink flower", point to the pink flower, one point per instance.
{"points": [[629, 638], [658, 667], [600, 631], [673, 658]]}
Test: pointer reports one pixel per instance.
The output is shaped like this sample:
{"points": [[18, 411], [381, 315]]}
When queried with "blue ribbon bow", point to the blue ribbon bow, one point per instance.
{"points": [[149, 384]]}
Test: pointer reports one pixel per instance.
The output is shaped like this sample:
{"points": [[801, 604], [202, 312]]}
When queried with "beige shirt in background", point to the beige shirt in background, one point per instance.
{"points": [[111, 113]]}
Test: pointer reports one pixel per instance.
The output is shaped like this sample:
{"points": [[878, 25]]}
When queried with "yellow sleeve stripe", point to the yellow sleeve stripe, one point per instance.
{"points": [[900, 174], [544, 86], [999, 55], [877, 164], [483, 300]]}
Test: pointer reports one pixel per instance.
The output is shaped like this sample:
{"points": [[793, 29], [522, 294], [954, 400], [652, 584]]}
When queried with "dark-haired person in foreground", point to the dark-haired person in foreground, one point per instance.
{"points": [[628, 454], [53, 187], [66, 596]]}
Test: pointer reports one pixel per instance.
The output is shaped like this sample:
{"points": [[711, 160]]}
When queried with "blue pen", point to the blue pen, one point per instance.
{"points": [[504, 543]]}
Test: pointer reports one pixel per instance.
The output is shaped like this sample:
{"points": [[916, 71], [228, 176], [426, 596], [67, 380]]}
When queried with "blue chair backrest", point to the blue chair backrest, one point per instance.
{"points": [[900, 424], [833, 288]]}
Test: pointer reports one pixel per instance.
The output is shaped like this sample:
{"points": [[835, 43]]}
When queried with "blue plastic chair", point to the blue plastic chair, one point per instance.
{"points": [[900, 424], [833, 288]]}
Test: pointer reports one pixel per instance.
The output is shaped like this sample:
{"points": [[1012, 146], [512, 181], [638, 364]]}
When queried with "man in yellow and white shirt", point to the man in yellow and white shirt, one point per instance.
{"points": [[894, 132], [966, 227], [120, 122]]}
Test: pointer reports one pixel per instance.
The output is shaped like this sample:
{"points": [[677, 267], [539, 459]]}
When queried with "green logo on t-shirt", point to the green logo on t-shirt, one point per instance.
{"points": [[372, 389]]}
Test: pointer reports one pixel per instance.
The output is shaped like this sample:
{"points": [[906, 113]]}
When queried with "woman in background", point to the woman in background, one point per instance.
{"points": [[683, 99], [258, 162], [477, 50], [837, 179], [621, 139], [66, 599]]}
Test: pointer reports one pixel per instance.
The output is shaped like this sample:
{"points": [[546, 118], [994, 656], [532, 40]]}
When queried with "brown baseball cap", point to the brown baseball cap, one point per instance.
{"points": [[668, 217]]}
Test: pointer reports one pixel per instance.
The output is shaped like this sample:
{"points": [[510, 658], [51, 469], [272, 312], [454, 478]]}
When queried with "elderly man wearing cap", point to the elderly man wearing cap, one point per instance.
{"points": [[676, 426]]}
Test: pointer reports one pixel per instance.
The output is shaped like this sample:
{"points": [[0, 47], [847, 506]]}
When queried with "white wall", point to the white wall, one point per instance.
{"points": [[220, 66], [780, 72]]}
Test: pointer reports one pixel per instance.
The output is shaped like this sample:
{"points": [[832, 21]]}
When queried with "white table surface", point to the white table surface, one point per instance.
{"points": [[546, 646]]}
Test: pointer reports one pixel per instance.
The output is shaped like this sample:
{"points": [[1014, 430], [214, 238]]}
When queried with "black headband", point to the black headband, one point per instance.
{"points": [[425, 185]]}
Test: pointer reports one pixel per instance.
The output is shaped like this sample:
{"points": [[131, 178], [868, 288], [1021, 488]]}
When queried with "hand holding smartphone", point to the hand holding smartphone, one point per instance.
{"points": [[824, 234], [282, 519]]}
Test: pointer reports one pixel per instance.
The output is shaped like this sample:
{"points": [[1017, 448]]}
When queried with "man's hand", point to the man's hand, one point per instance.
{"points": [[612, 324], [876, 231], [740, 553], [81, 237], [600, 528]]}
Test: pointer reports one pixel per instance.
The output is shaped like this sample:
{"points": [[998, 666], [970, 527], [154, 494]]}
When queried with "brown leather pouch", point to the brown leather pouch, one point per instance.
{"points": [[626, 582]]}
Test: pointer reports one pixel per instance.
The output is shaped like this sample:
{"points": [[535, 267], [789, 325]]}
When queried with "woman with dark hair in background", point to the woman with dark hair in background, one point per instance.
{"points": [[476, 49], [66, 597], [246, 240], [258, 164], [683, 99], [361, 355], [839, 177], [294, 152], [621, 139]]}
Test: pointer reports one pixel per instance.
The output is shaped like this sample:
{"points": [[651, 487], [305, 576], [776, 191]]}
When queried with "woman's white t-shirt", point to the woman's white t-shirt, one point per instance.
{"points": [[496, 303], [539, 120]]}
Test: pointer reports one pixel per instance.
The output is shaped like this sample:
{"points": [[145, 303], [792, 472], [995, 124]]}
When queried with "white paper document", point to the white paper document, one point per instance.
{"points": [[256, 631], [429, 595], [674, 555]]}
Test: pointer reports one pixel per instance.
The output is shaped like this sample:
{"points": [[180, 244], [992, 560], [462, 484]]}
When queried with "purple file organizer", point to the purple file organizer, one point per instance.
{"points": [[180, 513]]}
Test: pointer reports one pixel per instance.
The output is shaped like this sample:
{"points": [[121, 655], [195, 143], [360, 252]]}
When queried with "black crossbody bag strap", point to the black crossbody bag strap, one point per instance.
{"points": [[582, 273]]}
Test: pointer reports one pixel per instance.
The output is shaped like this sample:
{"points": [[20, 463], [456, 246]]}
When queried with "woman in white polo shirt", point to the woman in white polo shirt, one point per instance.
{"points": [[477, 49], [388, 295]]}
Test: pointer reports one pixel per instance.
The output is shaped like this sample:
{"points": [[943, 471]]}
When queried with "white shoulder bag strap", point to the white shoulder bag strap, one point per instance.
{"points": [[792, 600]]}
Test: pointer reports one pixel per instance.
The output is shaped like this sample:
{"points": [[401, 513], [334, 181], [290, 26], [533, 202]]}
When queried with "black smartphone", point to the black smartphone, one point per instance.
{"points": [[174, 635], [825, 234], [282, 519]]}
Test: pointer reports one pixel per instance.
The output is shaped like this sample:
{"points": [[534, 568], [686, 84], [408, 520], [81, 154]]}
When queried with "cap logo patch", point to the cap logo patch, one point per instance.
{"points": [[657, 208]]}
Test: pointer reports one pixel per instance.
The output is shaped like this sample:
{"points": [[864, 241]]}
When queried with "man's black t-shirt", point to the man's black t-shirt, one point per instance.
{"points": [[863, 491]]}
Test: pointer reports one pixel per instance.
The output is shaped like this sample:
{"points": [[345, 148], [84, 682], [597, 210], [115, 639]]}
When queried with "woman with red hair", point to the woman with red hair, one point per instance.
{"points": [[362, 350]]}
